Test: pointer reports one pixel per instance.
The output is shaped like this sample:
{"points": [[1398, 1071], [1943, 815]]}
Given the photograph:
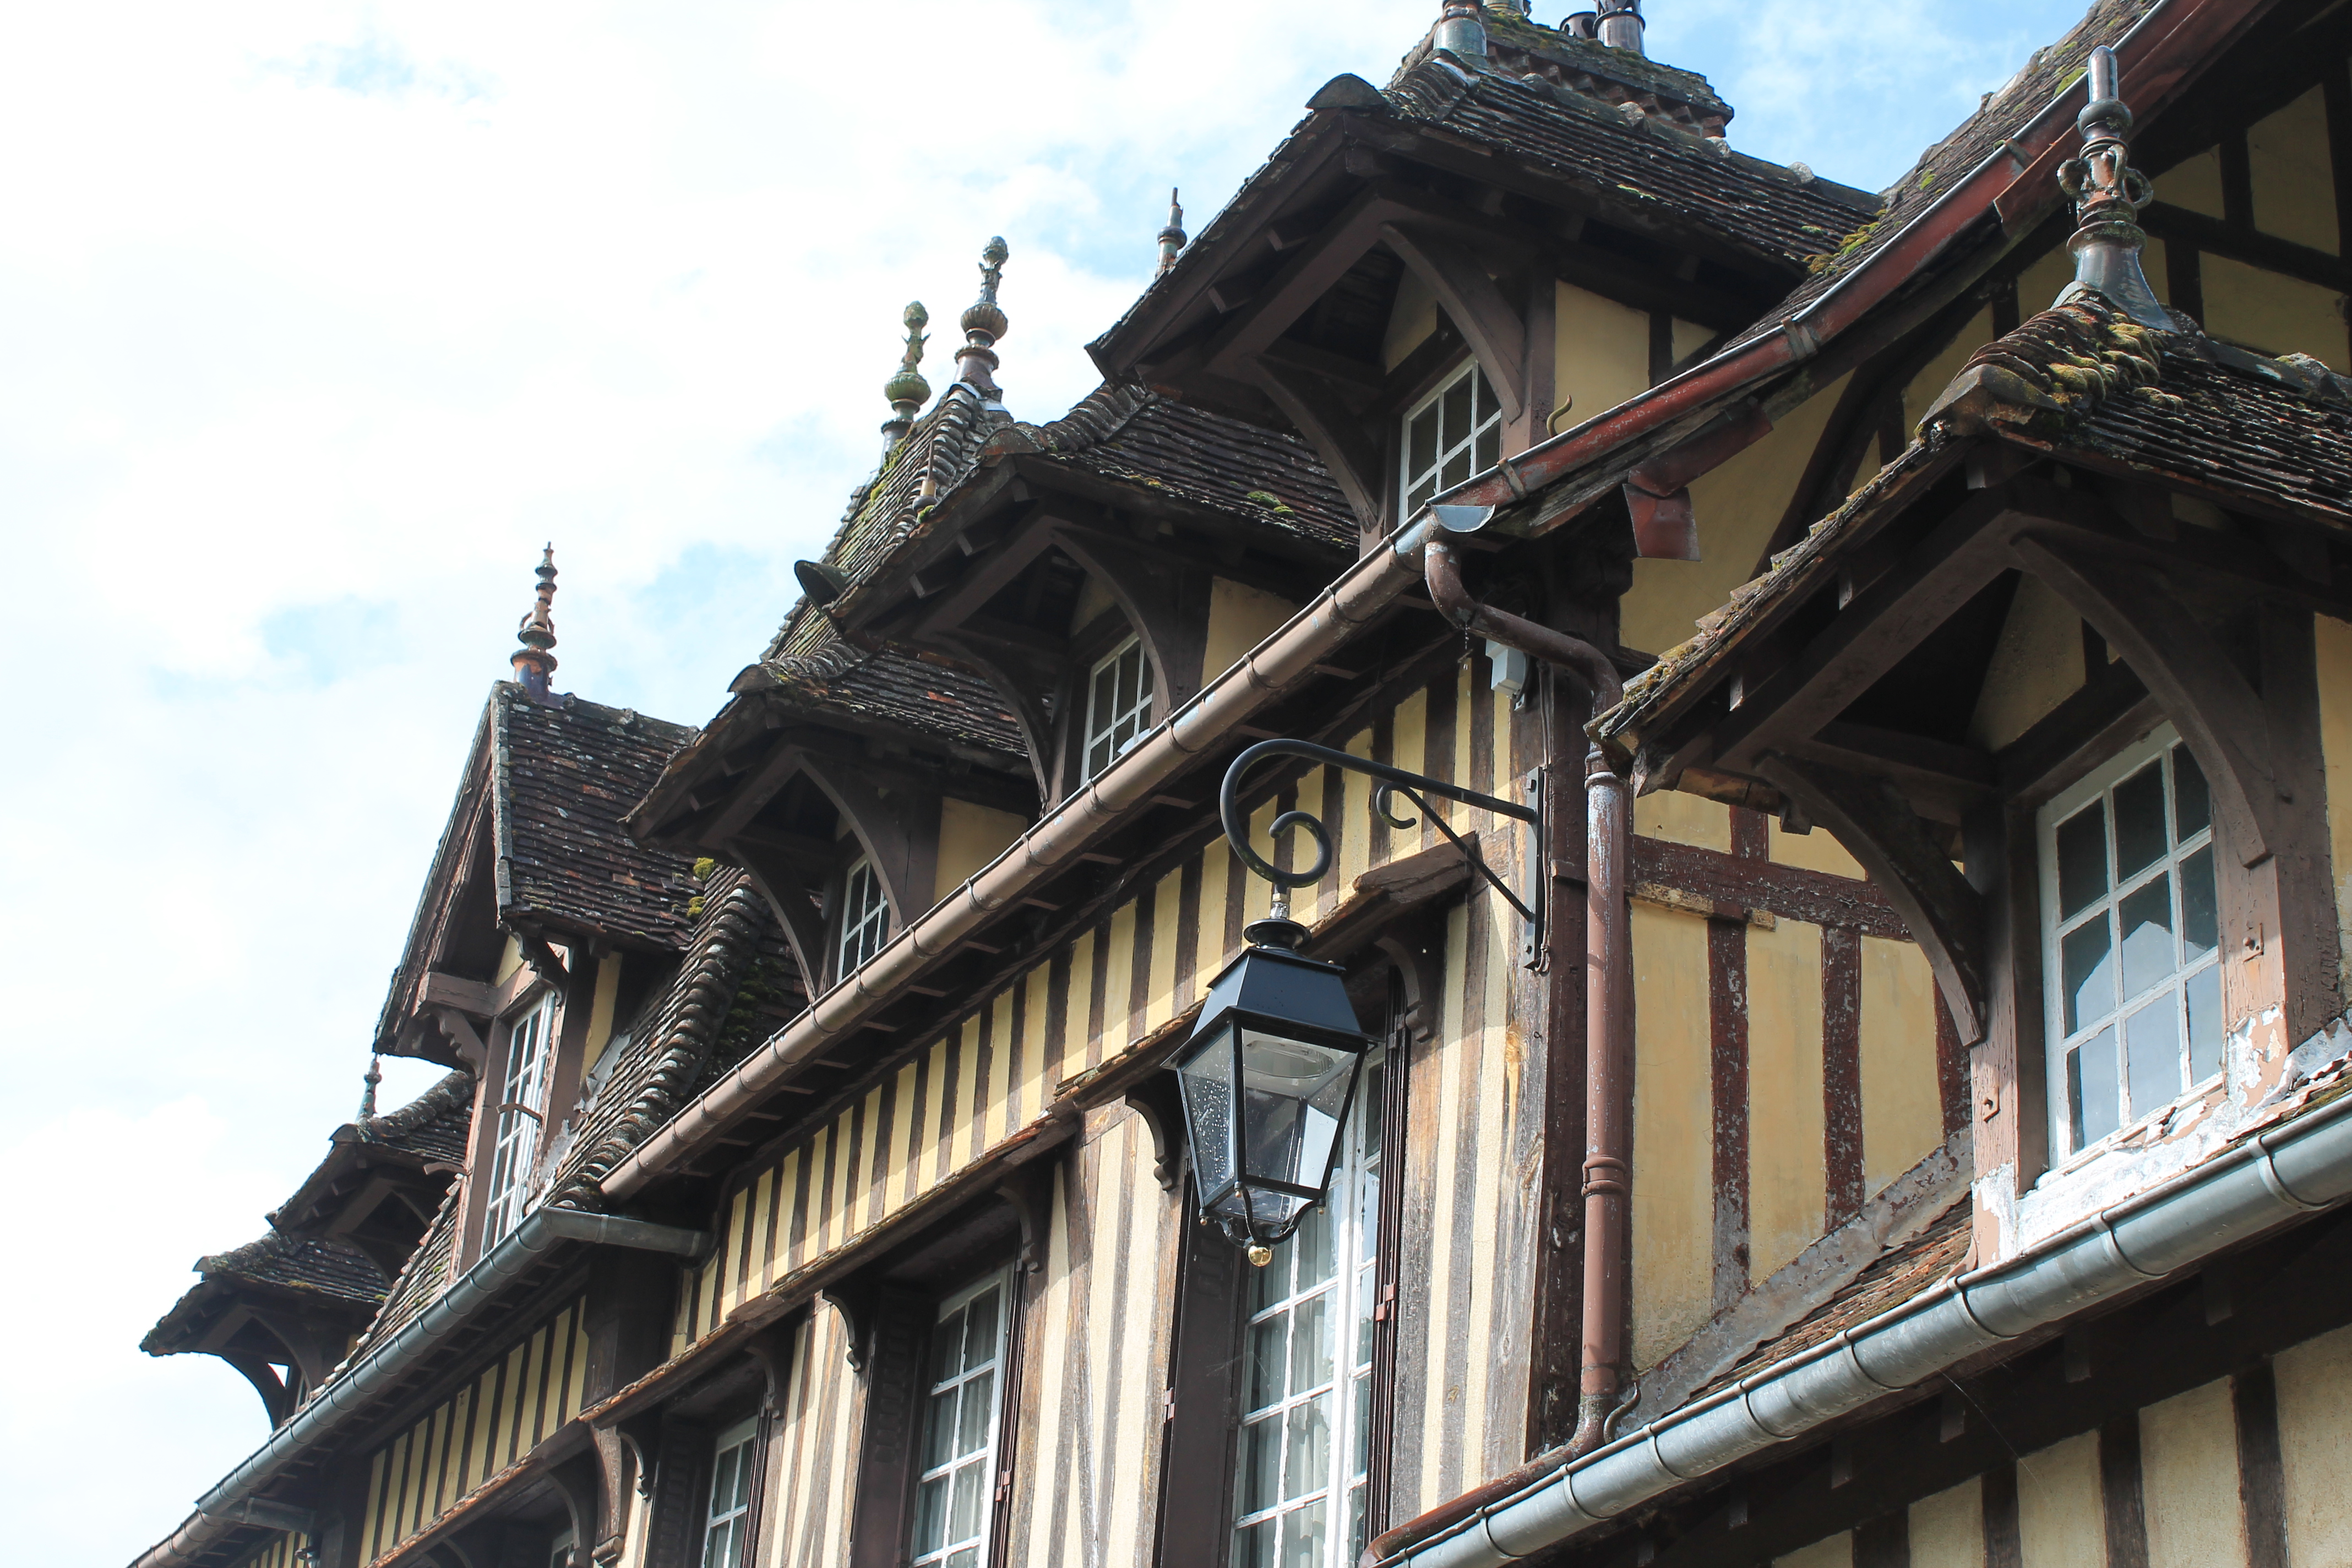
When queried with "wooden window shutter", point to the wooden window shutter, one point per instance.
{"points": [[1196, 1460], [893, 1370]]}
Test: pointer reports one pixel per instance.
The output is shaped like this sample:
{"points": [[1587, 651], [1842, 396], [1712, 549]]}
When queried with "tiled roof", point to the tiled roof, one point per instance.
{"points": [[432, 1126], [822, 673], [422, 1279], [308, 1267], [1637, 159], [1901, 1273], [1997, 120], [564, 775]]}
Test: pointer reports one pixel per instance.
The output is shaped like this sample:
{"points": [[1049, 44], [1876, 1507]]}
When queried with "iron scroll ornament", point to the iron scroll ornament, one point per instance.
{"points": [[1393, 782]]}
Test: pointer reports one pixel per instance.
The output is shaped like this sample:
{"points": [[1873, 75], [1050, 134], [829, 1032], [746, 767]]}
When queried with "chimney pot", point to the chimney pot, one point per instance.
{"points": [[1620, 25]]}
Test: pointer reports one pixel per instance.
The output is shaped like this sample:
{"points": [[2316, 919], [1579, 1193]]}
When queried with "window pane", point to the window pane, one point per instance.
{"points": [[1312, 1245], [1310, 1344], [2082, 858], [2091, 1089], [947, 1345], [2090, 978], [1302, 1537], [2204, 1005], [980, 1338], [968, 1558], [1268, 1343], [1261, 1464], [1421, 441], [1363, 1455], [979, 1396], [2192, 806], [1489, 449], [2147, 915], [1418, 496], [932, 1515], [1130, 668], [938, 1430], [1308, 1466], [1253, 1547], [1456, 470], [1456, 404], [2200, 923], [963, 1506], [2140, 821], [2152, 1042]]}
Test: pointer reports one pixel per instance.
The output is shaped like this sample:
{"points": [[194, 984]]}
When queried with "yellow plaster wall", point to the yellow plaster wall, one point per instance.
{"points": [[1929, 383], [1093, 600], [1902, 1106], [2188, 1480], [2061, 1522], [970, 836], [1738, 505], [1689, 337], [1673, 1201], [2315, 1418], [1411, 320], [2272, 314], [1685, 818], [1240, 618], [1948, 1530], [1600, 354], [1837, 1551], [510, 959], [1816, 851], [2036, 663], [1786, 1203], [600, 1009], [2193, 183], [2293, 190], [2332, 643]]}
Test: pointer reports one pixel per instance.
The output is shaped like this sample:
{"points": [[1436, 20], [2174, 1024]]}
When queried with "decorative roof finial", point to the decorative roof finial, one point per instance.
{"points": [[532, 663], [1462, 28], [2108, 193], [1620, 24], [367, 1096], [983, 324], [1171, 238], [908, 391]]}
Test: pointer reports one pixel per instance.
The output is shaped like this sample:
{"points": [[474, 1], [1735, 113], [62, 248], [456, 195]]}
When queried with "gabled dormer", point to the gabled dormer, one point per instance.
{"points": [[1525, 227]]}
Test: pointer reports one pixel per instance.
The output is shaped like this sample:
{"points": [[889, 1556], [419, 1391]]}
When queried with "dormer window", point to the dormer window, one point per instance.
{"points": [[521, 1109], [2131, 941], [1452, 434], [1119, 704], [865, 920]]}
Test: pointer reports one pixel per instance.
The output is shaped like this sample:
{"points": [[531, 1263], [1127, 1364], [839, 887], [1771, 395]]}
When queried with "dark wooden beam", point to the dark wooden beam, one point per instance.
{"points": [[1497, 332], [1945, 914], [2218, 237], [1315, 408], [780, 881]]}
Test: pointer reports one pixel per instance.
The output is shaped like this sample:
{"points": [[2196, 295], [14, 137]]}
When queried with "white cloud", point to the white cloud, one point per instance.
{"points": [[317, 319]]}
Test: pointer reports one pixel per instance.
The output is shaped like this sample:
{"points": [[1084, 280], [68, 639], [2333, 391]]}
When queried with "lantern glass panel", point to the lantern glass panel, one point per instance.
{"points": [[1294, 1096], [1206, 1076]]}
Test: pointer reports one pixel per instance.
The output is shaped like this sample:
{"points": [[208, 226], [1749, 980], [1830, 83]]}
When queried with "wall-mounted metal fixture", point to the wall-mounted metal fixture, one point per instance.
{"points": [[1270, 1072]]}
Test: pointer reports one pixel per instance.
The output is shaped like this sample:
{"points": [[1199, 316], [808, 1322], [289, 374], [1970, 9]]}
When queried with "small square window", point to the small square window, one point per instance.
{"points": [[2131, 940], [1452, 434], [865, 920], [1118, 705]]}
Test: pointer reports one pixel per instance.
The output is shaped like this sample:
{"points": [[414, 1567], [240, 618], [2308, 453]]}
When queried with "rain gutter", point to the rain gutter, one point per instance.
{"points": [[231, 1502], [2272, 1178]]}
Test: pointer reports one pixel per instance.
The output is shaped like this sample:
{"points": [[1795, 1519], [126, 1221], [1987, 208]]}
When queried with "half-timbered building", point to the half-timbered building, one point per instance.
{"points": [[1807, 725]]}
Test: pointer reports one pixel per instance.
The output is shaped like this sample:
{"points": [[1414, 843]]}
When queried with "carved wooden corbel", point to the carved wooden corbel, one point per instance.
{"points": [[771, 1350], [1156, 1101], [856, 1301], [1945, 914]]}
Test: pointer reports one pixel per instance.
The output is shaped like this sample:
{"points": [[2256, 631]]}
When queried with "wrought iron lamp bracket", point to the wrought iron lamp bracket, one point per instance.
{"points": [[1393, 783]]}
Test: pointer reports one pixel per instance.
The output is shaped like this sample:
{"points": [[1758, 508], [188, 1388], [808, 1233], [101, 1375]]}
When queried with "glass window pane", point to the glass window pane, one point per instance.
{"points": [[1311, 1344], [1253, 1545], [2082, 858], [1456, 470], [980, 1338], [1418, 496], [964, 1505], [1302, 1537], [2152, 1045], [1456, 404], [1261, 1464], [967, 1558], [2192, 805], [979, 1400], [1421, 441], [2089, 979], [2091, 1089], [2200, 921], [1130, 671], [938, 1430], [1486, 401], [1308, 1465], [2203, 995], [947, 1346], [1363, 1455], [1489, 448], [1312, 1246], [2146, 918], [932, 1515], [2139, 822], [1269, 1343]]}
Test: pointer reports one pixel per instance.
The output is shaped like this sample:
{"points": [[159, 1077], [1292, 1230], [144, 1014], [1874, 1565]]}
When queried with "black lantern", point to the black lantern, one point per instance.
{"points": [[1267, 1078]]}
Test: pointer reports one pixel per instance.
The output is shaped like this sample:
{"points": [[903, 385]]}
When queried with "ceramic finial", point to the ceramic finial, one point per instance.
{"points": [[908, 391], [1171, 238], [983, 322], [533, 664], [2108, 193]]}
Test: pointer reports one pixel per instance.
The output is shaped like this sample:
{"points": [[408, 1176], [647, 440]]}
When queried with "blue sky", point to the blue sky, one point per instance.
{"points": [[316, 320]]}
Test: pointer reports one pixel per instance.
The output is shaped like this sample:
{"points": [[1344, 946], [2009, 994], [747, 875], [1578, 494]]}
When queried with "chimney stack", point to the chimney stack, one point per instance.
{"points": [[1621, 24]]}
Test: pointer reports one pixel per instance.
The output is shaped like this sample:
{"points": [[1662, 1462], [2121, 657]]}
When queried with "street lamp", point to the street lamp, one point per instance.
{"points": [[1270, 1071]]}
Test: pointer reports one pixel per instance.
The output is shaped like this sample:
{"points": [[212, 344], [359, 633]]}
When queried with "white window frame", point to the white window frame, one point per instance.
{"points": [[1351, 1216], [968, 1551], [560, 1551], [1477, 448], [865, 918], [1117, 724], [521, 1116], [727, 1517], [2190, 980]]}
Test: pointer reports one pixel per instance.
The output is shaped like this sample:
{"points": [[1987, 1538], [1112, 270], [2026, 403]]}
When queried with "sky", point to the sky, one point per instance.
{"points": [[318, 319]]}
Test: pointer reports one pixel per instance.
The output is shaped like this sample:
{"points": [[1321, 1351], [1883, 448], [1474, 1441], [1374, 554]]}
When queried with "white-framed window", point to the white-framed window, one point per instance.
{"points": [[1119, 704], [2131, 941], [727, 1519], [522, 1113], [956, 1470], [1452, 434], [1305, 1449], [559, 1551], [865, 920]]}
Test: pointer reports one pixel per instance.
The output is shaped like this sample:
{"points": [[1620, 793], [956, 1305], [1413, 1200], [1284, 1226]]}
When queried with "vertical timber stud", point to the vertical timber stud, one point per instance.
{"points": [[2262, 1476], [681, 1482], [894, 1369]]}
